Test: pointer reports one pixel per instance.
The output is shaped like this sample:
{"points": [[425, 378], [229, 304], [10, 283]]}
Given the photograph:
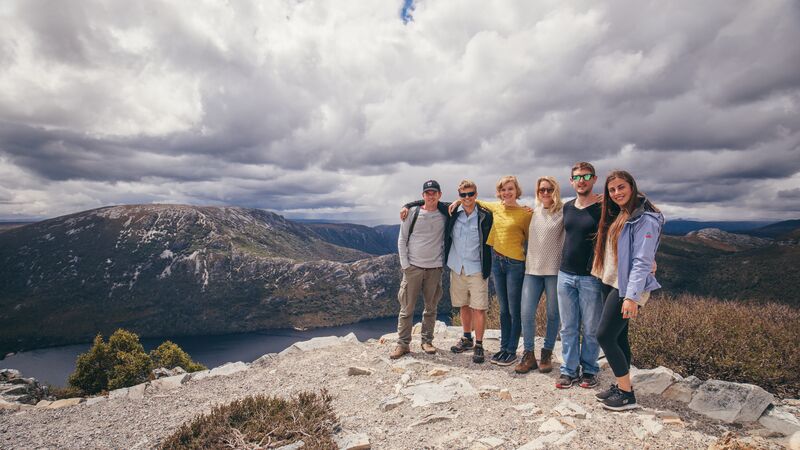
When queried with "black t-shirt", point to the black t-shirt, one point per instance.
{"points": [[580, 226]]}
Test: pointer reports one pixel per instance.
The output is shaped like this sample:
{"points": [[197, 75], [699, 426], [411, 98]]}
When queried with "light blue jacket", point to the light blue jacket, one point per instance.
{"points": [[636, 251]]}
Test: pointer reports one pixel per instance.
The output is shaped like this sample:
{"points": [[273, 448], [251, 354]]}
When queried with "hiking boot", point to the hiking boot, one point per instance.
{"points": [[428, 348], [565, 381], [398, 352], [620, 401], [588, 381], [507, 359], [496, 357], [527, 363], [602, 395], [463, 345], [477, 354], [546, 363]]}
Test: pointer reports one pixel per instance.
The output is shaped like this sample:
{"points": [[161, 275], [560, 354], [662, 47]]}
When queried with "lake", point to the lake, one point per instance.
{"points": [[54, 364]]}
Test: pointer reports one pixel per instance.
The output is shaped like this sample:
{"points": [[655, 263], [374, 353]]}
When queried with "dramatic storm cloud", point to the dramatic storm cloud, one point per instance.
{"points": [[342, 109]]}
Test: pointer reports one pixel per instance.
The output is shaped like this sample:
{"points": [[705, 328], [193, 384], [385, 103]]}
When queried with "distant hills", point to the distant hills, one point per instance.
{"points": [[181, 270]]}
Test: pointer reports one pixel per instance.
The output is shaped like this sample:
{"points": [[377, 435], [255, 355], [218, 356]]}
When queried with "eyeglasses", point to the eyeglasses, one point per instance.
{"points": [[466, 194], [546, 190], [586, 177]]}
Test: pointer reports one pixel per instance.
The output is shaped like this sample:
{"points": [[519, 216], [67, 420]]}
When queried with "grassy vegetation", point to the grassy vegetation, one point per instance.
{"points": [[261, 422], [739, 341]]}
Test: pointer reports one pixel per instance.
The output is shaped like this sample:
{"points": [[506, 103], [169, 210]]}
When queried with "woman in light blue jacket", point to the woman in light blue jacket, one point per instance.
{"points": [[625, 249]]}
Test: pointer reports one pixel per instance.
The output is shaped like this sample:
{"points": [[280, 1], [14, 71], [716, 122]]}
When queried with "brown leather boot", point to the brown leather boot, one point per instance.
{"points": [[546, 363], [398, 352], [527, 363]]}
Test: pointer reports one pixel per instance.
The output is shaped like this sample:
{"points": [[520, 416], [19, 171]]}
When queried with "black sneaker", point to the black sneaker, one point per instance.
{"points": [[602, 395], [620, 401], [565, 381], [496, 357], [477, 354], [588, 381], [463, 345], [507, 359]]}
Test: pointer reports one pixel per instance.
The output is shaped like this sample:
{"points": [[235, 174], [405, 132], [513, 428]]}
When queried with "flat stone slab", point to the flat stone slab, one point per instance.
{"points": [[353, 441], [653, 381], [432, 393], [569, 408], [730, 402], [163, 384], [318, 343], [781, 420], [225, 369], [63, 403]]}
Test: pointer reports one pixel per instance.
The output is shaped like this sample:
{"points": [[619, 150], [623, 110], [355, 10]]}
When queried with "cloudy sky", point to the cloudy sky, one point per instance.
{"points": [[342, 109]]}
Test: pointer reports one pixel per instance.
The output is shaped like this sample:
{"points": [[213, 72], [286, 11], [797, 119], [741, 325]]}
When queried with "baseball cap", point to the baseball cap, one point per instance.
{"points": [[431, 185]]}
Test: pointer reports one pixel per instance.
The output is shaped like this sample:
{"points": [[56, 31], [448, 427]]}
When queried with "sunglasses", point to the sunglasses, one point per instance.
{"points": [[586, 177], [466, 194], [546, 190]]}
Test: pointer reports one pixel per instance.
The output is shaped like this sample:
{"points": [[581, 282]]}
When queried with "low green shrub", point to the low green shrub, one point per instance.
{"points": [[726, 340], [170, 356], [122, 362], [261, 422]]}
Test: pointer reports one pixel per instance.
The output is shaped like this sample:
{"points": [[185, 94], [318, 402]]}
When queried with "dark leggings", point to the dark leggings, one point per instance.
{"points": [[612, 333]]}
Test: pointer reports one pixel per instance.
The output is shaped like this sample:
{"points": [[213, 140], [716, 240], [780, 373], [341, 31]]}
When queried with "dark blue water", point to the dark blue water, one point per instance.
{"points": [[53, 365]]}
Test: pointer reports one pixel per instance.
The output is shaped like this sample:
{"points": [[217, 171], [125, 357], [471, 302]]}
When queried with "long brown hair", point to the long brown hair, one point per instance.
{"points": [[613, 217]]}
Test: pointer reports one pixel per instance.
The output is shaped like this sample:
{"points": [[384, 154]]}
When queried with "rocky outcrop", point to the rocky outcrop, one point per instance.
{"points": [[14, 388], [418, 401], [733, 241]]}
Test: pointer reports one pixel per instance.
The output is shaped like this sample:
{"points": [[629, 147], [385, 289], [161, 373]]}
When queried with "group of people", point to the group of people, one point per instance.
{"points": [[593, 257]]}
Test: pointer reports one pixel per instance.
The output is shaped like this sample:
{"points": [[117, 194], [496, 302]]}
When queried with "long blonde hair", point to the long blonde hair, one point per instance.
{"points": [[557, 203]]}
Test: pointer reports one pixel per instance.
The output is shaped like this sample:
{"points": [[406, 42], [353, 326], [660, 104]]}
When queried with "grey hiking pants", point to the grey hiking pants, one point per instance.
{"points": [[416, 280]]}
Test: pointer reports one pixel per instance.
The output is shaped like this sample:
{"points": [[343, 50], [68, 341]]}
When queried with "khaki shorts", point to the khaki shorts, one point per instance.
{"points": [[469, 290]]}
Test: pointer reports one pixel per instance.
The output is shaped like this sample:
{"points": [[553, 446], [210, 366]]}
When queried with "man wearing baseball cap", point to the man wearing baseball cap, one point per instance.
{"points": [[421, 249]]}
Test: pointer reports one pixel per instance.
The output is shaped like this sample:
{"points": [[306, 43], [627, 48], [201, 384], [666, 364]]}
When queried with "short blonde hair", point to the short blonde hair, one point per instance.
{"points": [[557, 203], [506, 179], [467, 184]]}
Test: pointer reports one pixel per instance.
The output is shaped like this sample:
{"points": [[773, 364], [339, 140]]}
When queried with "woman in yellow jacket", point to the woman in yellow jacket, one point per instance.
{"points": [[507, 238]]}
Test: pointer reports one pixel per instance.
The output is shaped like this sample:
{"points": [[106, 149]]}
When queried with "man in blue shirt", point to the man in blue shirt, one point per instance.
{"points": [[470, 263]]}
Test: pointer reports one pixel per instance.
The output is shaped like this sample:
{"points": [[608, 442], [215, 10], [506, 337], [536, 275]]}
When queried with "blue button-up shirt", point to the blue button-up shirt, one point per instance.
{"points": [[465, 252]]}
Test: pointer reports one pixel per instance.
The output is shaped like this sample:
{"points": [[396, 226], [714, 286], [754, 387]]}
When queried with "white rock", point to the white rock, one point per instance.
{"points": [[652, 381], [438, 372], [431, 393], [730, 402], [551, 425], [351, 338], [43, 403], [9, 405], [118, 393], [265, 360], [358, 371], [137, 392], [318, 343], [355, 441], [491, 335], [407, 364], [163, 384], [227, 369], [794, 441], [405, 379], [780, 419], [66, 402], [570, 409], [430, 418], [528, 408], [683, 390], [651, 425], [391, 403], [552, 440]]}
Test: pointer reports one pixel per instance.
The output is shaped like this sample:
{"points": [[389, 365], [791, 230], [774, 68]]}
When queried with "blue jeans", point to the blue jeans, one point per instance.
{"points": [[579, 304], [532, 289], [508, 274]]}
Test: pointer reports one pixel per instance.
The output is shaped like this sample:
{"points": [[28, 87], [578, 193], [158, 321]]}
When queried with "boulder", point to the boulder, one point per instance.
{"points": [[730, 402], [780, 419], [653, 381], [683, 390], [318, 343], [9, 374], [96, 400], [163, 384], [63, 403], [569, 408], [227, 369], [265, 360], [163, 372]]}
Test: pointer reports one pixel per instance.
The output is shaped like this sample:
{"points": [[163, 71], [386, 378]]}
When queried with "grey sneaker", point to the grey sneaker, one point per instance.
{"points": [[463, 345], [620, 401], [602, 395], [507, 359]]}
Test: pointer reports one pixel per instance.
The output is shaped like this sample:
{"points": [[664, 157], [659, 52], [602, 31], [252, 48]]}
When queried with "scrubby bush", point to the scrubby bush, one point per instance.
{"points": [[726, 340], [170, 356], [261, 422], [122, 362]]}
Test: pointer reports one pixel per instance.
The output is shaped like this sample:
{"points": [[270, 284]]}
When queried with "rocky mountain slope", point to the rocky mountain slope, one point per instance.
{"points": [[373, 240], [440, 401], [179, 270]]}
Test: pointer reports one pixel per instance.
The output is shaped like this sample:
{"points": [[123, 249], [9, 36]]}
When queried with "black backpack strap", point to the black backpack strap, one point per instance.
{"points": [[413, 222]]}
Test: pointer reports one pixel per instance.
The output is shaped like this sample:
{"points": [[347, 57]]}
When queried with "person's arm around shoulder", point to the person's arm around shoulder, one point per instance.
{"points": [[646, 233], [402, 244], [409, 205]]}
